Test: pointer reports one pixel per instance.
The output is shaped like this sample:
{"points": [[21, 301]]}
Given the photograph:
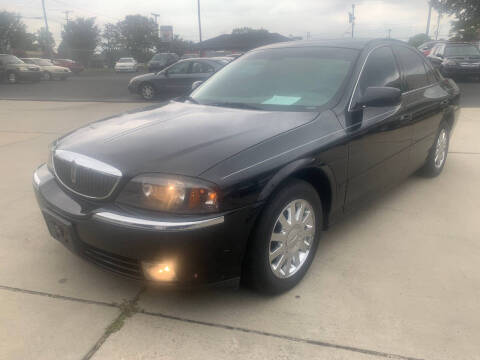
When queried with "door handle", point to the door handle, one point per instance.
{"points": [[406, 117]]}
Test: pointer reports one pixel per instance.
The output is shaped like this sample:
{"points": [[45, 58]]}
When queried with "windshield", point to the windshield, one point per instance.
{"points": [[10, 59], [161, 58], [43, 62], [125, 60], [292, 79], [462, 50]]}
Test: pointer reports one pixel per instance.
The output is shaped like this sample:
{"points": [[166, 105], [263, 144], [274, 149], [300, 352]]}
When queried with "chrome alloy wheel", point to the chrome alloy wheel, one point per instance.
{"points": [[148, 92], [292, 238], [441, 148]]}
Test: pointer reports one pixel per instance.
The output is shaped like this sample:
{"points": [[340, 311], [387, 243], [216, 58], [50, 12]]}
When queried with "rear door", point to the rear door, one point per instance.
{"points": [[380, 136], [424, 99]]}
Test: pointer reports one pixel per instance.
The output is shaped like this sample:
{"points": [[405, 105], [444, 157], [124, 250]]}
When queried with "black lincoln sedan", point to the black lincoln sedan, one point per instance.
{"points": [[239, 179], [456, 59], [176, 79]]}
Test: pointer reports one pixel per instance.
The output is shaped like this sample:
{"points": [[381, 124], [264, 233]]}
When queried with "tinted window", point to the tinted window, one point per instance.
{"points": [[283, 79], [380, 70], [461, 50], [201, 68], [413, 67], [179, 68]]}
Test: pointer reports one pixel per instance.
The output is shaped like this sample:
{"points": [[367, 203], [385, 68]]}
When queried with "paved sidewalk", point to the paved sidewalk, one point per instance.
{"points": [[397, 279]]}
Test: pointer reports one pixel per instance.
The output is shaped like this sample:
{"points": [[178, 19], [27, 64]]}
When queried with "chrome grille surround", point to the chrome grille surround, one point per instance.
{"points": [[84, 175]]}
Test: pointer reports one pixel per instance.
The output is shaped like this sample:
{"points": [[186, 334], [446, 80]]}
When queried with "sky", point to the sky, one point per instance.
{"points": [[319, 18]]}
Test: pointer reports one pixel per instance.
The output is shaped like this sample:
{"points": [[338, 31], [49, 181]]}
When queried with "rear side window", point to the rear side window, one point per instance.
{"points": [[380, 70], [413, 67]]}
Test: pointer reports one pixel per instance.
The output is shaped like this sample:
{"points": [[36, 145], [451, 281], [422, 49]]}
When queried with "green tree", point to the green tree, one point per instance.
{"points": [[45, 42], [177, 45], [13, 34], [80, 37], [139, 36], [467, 12], [112, 44], [418, 40]]}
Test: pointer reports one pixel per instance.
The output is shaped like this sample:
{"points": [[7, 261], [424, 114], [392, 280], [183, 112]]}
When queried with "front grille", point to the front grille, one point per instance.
{"points": [[85, 176], [115, 263]]}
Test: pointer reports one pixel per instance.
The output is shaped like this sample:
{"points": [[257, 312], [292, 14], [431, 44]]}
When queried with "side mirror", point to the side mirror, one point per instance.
{"points": [[196, 84], [380, 96]]}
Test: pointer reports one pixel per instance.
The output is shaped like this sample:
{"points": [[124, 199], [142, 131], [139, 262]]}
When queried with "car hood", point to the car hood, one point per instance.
{"points": [[29, 66], [472, 59], [179, 138], [145, 77]]}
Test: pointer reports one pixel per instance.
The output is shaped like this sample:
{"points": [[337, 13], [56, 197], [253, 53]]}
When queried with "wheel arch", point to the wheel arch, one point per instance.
{"points": [[320, 177]]}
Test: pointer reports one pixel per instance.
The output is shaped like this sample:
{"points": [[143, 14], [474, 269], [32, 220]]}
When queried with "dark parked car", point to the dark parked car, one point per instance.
{"points": [[12, 69], [70, 64], [177, 79], [161, 61], [456, 59], [240, 178]]}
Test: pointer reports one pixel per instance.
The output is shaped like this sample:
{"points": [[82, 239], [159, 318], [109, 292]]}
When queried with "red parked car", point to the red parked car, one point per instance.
{"points": [[72, 65]]}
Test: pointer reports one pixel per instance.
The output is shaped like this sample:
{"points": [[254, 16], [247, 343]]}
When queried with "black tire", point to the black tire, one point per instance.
{"points": [[257, 270], [11, 77], [147, 91], [434, 165]]}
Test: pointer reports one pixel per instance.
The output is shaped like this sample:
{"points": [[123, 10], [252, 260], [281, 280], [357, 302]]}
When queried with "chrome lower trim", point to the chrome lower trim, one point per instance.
{"points": [[146, 224], [36, 179]]}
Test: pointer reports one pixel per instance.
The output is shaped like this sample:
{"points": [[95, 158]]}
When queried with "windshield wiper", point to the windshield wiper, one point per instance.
{"points": [[236, 105]]}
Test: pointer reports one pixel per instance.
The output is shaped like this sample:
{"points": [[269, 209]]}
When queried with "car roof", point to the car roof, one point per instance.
{"points": [[356, 44]]}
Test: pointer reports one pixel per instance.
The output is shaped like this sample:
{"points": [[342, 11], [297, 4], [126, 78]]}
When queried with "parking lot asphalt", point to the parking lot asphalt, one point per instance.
{"points": [[90, 85], [398, 278]]}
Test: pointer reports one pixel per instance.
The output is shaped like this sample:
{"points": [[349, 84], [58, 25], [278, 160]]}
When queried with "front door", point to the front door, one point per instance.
{"points": [[425, 99], [178, 78], [380, 137]]}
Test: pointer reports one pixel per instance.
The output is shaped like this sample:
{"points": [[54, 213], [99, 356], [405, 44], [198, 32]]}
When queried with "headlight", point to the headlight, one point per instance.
{"points": [[23, 69], [172, 194], [450, 62]]}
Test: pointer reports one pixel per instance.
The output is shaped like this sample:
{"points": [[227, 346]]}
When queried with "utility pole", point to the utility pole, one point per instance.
{"points": [[389, 33], [351, 17], [427, 32], [439, 19], [199, 22], [155, 16], [46, 26], [308, 35]]}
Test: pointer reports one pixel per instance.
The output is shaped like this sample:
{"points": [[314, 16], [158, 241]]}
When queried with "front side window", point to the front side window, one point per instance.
{"points": [[413, 67], [283, 79], [43, 62], [379, 70], [180, 68], [201, 68], [10, 59]]}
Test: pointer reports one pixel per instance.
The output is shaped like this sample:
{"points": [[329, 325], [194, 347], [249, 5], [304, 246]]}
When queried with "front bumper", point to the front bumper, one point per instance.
{"points": [[129, 69], [450, 71], [203, 250]]}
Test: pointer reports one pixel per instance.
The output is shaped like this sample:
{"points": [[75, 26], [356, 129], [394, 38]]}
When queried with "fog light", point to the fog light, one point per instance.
{"points": [[159, 271]]}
